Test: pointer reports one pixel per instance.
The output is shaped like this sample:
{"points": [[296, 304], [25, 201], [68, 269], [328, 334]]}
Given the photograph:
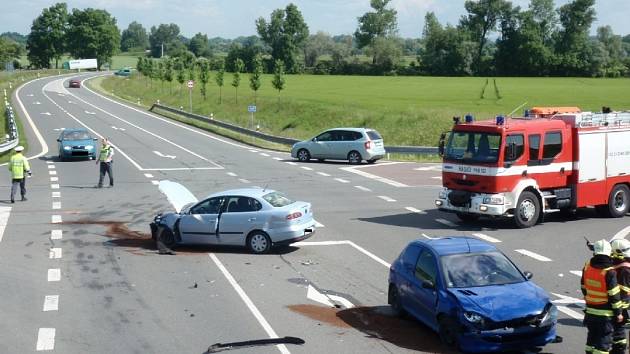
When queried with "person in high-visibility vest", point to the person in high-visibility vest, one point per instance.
{"points": [[603, 303], [621, 262], [105, 158], [18, 165]]}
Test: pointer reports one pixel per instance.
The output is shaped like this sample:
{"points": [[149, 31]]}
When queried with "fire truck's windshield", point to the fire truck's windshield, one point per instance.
{"points": [[473, 147]]}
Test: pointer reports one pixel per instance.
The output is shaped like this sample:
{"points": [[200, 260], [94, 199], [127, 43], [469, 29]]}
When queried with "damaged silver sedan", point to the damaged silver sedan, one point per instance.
{"points": [[256, 218]]}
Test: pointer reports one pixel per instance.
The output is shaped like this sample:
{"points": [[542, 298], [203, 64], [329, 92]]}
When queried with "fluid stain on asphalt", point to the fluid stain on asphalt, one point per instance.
{"points": [[376, 322]]}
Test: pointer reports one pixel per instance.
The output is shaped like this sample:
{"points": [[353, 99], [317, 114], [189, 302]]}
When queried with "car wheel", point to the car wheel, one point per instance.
{"points": [[354, 157], [371, 161], [166, 237], [393, 299], [466, 217], [618, 201], [259, 242], [449, 332], [303, 155], [527, 210]]}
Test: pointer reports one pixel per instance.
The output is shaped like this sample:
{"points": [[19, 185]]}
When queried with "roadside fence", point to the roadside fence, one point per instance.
{"points": [[11, 139]]}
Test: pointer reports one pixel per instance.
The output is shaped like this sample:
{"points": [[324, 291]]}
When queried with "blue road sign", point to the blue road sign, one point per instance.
{"points": [[251, 109]]}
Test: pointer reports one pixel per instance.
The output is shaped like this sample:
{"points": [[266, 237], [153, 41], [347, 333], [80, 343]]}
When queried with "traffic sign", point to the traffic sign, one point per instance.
{"points": [[251, 109], [191, 84]]}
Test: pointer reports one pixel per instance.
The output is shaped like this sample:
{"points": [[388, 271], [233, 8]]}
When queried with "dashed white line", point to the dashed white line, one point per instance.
{"points": [[263, 154], [52, 172], [56, 219], [414, 210], [49, 162], [320, 243], [277, 158], [427, 236], [363, 188], [291, 163], [372, 176], [369, 254], [4, 219], [437, 177], [387, 199], [231, 174], [306, 168], [155, 183], [571, 313], [486, 238], [254, 310], [51, 303], [243, 180], [148, 175], [54, 186], [446, 222], [45, 339], [51, 167], [576, 272], [54, 274], [342, 180], [56, 205], [533, 255], [56, 234], [54, 179], [318, 224], [56, 194], [323, 174], [55, 253], [252, 150]]}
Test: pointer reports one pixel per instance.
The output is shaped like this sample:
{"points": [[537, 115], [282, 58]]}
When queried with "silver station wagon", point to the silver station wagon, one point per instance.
{"points": [[352, 144]]}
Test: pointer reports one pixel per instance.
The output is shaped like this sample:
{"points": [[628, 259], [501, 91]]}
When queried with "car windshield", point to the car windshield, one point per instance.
{"points": [[277, 199], [473, 147], [479, 269], [79, 135]]}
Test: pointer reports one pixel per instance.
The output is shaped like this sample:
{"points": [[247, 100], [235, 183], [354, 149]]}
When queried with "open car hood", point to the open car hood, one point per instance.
{"points": [[178, 195]]}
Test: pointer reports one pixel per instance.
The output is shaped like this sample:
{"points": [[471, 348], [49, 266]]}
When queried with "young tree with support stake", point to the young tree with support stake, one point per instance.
{"points": [[254, 79], [203, 65], [168, 73], [181, 75], [236, 80], [219, 79], [278, 77]]}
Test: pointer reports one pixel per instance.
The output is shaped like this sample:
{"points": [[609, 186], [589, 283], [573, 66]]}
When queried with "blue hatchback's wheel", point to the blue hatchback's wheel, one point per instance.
{"points": [[449, 332]]}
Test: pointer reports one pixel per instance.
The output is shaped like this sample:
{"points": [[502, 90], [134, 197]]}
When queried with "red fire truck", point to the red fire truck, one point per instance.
{"points": [[550, 160]]}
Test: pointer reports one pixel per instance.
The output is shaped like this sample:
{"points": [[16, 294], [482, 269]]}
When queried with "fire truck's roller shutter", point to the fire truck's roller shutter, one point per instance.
{"points": [[592, 166], [618, 153]]}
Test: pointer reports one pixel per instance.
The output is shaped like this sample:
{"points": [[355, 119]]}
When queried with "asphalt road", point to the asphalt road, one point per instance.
{"points": [[80, 274]]}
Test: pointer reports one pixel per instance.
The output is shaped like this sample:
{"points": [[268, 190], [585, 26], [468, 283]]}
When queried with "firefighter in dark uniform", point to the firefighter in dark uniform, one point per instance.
{"points": [[602, 297], [621, 261]]}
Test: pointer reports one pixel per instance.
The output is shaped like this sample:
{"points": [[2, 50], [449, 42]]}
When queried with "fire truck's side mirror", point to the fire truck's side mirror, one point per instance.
{"points": [[441, 144]]}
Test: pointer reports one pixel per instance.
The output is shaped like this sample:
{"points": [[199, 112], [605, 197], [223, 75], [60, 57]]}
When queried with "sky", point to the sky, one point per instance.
{"points": [[233, 18]]}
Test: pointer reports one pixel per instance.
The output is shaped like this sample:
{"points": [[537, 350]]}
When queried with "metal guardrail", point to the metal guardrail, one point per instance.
{"points": [[12, 137], [418, 150]]}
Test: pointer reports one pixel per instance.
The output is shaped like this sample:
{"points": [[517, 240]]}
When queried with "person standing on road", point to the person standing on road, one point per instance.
{"points": [[603, 303], [18, 164], [105, 158], [621, 261]]}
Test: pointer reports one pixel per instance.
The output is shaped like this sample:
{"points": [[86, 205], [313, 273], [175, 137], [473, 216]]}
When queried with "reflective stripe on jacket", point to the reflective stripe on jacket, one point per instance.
{"points": [[17, 165], [105, 152], [601, 291], [623, 280]]}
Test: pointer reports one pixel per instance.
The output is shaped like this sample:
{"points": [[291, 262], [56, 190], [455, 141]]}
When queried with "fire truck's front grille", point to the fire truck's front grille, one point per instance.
{"points": [[463, 182], [459, 198]]}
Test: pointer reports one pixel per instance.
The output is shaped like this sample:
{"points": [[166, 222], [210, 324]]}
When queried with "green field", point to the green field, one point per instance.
{"points": [[406, 110]]}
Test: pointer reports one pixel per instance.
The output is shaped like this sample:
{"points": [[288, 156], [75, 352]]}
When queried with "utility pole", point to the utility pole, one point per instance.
{"points": [[162, 50]]}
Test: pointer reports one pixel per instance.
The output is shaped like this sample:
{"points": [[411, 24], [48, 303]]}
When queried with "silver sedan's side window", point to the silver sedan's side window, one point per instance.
{"points": [[209, 206], [242, 205]]}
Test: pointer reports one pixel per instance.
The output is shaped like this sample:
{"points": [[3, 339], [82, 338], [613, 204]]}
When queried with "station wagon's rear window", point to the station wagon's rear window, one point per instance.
{"points": [[374, 135]]}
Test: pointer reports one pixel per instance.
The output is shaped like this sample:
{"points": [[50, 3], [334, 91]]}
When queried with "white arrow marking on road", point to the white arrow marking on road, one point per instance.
{"points": [[345, 302], [162, 155], [316, 296], [88, 112], [563, 299], [46, 113]]}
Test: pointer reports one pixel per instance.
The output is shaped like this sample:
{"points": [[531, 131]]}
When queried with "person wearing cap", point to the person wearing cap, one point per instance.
{"points": [[602, 298], [106, 163], [621, 262], [18, 164]]}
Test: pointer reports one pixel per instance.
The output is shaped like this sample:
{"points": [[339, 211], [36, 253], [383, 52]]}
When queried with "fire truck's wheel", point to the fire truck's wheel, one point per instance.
{"points": [[527, 210], [618, 201], [467, 217]]}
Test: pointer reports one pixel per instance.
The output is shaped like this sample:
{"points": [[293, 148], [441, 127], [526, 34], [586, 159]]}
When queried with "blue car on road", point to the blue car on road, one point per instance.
{"points": [[76, 143], [472, 295]]}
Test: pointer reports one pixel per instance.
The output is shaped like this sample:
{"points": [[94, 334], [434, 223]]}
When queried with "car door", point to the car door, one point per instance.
{"points": [[340, 144], [423, 293], [406, 274], [241, 216], [199, 225], [319, 146]]}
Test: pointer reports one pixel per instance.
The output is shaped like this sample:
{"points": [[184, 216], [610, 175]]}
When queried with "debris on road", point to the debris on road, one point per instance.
{"points": [[219, 347]]}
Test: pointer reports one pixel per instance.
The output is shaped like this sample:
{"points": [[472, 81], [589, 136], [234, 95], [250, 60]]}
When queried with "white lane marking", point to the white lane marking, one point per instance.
{"points": [[306, 168], [52, 173], [155, 183], [291, 163], [576, 272], [88, 112], [148, 175], [372, 176], [39, 136], [427, 236], [323, 174], [486, 238], [571, 313], [437, 177], [71, 102], [45, 339], [51, 303], [243, 180], [363, 188], [172, 157], [116, 128], [49, 162], [277, 158], [429, 168], [54, 179], [563, 299], [51, 167], [231, 174], [56, 205], [248, 302], [320, 243], [369, 254], [30, 95], [533, 255], [342, 180], [56, 234], [252, 150], [316, 296], [4, 219], [318, 224], [56, 194], [446, 222], [622, 234], [37, 103], [55, 253], [387, 199], [56, 219], [265, 155], [54, 186], [59, 129], [414, 210], [342, 300], [54, 274]]}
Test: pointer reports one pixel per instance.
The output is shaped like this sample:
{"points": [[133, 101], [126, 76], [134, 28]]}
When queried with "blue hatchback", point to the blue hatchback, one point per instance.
{"points": [[76, 143], [472, 295]]}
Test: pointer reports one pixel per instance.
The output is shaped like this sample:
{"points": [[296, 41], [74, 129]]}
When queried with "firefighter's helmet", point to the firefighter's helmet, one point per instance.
{"points": [[602, 247], [620, 248]]}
